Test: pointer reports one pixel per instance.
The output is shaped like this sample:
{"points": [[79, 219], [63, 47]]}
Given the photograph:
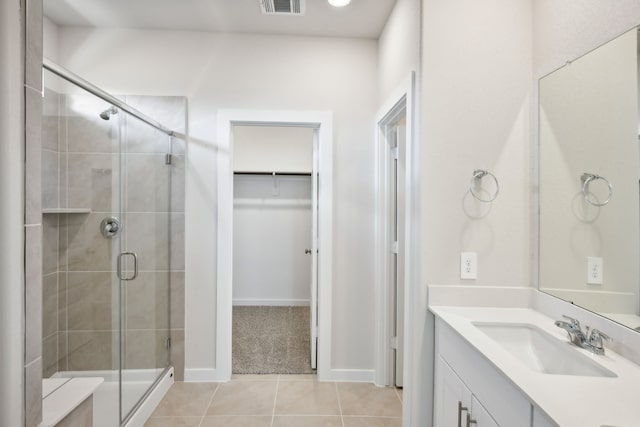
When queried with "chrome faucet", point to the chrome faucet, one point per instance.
{"points": [[590, 339]]}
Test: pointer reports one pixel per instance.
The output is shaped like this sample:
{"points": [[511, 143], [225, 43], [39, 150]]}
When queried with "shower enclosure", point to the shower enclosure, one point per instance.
{"points": [[107, 236]]}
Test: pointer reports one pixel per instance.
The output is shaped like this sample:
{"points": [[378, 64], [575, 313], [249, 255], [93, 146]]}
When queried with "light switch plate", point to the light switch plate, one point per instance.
{"points": [[595, 270], [468, 265]]}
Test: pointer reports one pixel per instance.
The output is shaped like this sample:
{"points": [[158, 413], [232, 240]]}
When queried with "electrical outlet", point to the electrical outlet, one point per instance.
{"points": [[594, 270], [468, 265]]}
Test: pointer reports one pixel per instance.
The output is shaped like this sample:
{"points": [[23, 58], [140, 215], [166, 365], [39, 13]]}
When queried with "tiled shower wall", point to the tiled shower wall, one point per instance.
{"points": [[80, 297], [32, 15]]}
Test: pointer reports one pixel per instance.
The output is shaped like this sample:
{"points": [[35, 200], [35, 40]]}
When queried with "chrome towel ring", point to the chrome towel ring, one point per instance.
{"points": [[478, 174], [586, 179]]}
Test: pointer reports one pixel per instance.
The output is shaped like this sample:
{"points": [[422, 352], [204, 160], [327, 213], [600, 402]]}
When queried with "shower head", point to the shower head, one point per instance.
{"points": [[106, 114]]}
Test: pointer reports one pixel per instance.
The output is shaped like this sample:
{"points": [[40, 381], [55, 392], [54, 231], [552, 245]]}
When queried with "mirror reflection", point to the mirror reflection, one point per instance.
{"points": [[589, 181]]}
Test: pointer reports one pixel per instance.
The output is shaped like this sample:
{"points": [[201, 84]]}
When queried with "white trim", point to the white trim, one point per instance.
{"points": [[273, 302], [204, 375], [322, 121], [140, 417], [351, 375], [402, 99]]}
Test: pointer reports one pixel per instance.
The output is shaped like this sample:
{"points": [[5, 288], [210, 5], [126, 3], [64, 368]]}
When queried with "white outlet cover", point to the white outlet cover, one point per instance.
{"points": [[468, 265], [595, 270]]}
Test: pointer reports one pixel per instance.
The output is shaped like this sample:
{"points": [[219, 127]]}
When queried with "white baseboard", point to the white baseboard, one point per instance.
{"points": [[350, 375], [204, 375], [142, 414], [273, 302]]}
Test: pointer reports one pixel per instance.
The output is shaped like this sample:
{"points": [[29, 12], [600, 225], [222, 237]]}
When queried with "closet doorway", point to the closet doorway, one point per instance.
{"points": [[274, 261], [319, 282]]}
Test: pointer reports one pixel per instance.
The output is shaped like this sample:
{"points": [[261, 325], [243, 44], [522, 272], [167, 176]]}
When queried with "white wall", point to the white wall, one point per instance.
{"points": [[272, 149], [475, 113], [220, 71], [589, 123], [399, 46], [50, 39], [563, 31], [271, 230]]}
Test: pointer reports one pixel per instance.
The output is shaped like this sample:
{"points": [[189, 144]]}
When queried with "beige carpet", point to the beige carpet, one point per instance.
{"points": [[271, 340]]}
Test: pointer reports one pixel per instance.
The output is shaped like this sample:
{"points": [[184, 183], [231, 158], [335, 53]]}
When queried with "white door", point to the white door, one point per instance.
{"points": [[400, 252], [314, 255]]}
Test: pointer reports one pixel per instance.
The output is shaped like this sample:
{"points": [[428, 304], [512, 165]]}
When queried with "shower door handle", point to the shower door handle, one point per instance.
{"points": [[135, 265]]}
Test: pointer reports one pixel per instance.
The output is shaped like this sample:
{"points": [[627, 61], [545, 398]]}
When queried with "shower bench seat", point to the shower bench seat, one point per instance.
{"points": [[65, 401]]}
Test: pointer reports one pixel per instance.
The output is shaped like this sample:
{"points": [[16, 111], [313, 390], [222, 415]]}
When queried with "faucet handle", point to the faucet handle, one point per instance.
{"points": [[574, 322], [597, 337]]}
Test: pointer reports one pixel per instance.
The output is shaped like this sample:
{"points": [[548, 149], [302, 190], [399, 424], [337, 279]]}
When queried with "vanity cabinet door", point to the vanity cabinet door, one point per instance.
{"points": [[452, 398], [480, 415], [540, 419]]}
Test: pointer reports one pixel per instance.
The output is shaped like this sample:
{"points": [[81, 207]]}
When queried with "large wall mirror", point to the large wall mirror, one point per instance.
{"points": [[589, 181]]}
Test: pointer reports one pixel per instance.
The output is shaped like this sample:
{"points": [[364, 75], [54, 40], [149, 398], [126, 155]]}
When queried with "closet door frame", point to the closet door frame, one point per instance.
{"points": [[321, 122]]}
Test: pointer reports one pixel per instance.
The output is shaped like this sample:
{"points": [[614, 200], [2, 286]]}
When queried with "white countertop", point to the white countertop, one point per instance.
{"points": [[570, 401], [63, 396]]}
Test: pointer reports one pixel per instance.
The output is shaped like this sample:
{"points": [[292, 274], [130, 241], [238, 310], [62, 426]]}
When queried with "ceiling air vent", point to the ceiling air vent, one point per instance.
{"points": [[282, 7]]}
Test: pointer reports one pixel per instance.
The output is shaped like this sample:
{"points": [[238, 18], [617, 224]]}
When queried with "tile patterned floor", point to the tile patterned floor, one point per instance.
{"points": [[278, 401]]}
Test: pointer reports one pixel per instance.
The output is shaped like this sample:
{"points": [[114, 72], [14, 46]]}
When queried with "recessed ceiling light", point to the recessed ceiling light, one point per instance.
{"points": [[339, 3]]}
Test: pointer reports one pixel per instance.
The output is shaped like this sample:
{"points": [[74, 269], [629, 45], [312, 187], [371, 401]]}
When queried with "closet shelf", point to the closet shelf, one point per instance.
{"points": [[67, 211]]}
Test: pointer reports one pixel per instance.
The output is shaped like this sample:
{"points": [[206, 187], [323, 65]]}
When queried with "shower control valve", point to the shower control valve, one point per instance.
{"points": [[110, 227]]}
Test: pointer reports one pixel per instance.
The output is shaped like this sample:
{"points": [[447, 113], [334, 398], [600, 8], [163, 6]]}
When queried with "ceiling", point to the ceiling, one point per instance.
{"points": [[362, 18]]}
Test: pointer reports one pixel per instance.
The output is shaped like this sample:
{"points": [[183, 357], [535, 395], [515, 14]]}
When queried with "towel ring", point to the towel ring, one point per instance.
{"points": [[586, 179], [479, 174]]}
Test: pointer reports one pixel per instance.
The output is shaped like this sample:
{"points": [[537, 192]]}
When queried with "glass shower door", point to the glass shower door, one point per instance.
{"points": [[145, 259]]}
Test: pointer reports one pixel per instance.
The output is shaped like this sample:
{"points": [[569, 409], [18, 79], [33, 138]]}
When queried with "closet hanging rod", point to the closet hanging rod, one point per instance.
{"points": [[274, 173]]}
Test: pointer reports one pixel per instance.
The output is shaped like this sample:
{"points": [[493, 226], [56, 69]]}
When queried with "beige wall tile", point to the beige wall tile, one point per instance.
{"points": [[148, 182], [91, 180], [86, 131], [148, 301], [85, 248], [50, 356], [177, 299], [33, 393], [50, 244], [90, 299], [33, 154], [33, 54], [92, 350], [177, 353], [50, 120], [49, 304], [33, 293], [146, 349]]}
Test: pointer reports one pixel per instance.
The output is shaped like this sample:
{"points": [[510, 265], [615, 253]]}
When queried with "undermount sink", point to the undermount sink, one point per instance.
{"points": [[540, 351]]}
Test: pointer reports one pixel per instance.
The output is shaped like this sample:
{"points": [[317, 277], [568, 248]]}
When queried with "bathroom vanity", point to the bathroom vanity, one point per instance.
{"points": [[507, 364]]}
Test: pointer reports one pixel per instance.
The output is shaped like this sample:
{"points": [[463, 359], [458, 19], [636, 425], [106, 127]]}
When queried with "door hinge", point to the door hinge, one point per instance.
{"points": [[394, 343], [167, 343], [394, 153], [167, 159], [394, 247]]}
